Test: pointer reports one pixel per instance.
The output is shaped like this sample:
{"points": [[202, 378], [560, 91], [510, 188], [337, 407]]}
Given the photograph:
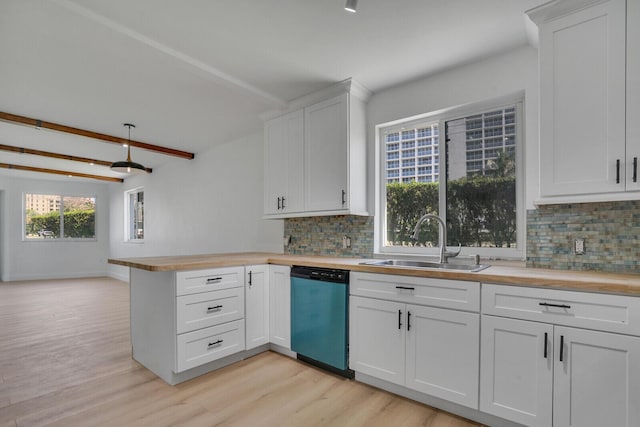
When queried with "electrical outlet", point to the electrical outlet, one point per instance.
{"points": [[346, 242], [578, 246], [286, 240]]}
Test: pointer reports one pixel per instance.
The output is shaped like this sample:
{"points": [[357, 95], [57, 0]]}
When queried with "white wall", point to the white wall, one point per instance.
{"points": [[491, 78], [211, 204], [52, 258]]}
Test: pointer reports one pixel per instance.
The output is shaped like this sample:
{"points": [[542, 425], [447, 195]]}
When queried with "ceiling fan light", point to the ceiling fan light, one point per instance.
{"points": [[351, 5]]}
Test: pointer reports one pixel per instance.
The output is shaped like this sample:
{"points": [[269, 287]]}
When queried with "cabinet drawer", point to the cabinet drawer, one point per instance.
{"points": [[205, 309], [456, 294], [192, 282], [205, 345], [614, 313]]}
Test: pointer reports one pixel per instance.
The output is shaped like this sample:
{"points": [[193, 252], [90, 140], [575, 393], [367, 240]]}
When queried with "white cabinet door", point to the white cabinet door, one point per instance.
{"points": [[443, 353], [280, 305], [516, 373], [327, 155], [597, 383], [257, 305], [283, 163], [582, 101], [633, 95], [377, 338]]}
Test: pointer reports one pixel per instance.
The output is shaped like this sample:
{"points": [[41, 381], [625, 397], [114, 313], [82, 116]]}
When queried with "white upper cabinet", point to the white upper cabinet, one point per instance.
{"points": [[315, 155], [283, 161], [583, 138], [633, 94]]}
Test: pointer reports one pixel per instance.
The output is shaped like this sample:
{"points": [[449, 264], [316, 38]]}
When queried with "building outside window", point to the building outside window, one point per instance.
{"points": [[479, 194], [54, 216], [134, 215]]}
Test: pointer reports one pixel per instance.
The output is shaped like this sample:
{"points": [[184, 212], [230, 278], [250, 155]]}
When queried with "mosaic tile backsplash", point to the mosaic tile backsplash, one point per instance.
{"points": [[611, 232], [322, 235]]}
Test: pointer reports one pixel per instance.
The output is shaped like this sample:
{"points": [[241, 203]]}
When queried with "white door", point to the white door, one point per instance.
{"points": [[377, 338], [280, 305], [597, 382], [327, 155], [633, 95], [257, 305], [443, 348], [516, 370], [582, 101]]}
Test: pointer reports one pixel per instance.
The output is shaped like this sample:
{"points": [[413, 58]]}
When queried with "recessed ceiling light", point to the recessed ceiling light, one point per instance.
{"points": [[351, 5]]}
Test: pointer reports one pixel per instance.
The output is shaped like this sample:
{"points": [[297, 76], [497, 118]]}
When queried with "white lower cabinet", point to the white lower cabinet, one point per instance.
{"points": [[280, 305], [516, 377], [542, 374], [257, 305], [377, 339], [442, 353], [429, 349]]}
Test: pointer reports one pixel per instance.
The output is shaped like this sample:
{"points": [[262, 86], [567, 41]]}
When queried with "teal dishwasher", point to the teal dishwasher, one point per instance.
{"points": [[320, 317]]}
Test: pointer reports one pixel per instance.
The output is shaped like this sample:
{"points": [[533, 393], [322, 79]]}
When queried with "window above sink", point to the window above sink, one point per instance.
{"points": [[464, 164]]}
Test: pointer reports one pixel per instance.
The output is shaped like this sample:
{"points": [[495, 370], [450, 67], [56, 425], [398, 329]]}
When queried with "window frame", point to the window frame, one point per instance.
{"points": [[127, 216], [61, 238], [442, 116]]}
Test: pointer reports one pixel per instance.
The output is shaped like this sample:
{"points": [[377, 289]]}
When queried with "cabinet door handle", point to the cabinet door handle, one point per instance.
{"points": [[408, 288], [213, 279], [250, 278], [635, 169], [545, 344], [279, 203], [561, 347], [211, 344], [399, 319], [215, 307], [283, 202], [408, 320], [618, 171], [547, 304], [344, 197]]}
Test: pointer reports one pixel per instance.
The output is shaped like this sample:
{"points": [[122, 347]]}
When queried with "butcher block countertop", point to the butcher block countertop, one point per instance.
{"points": [[590, 281]]}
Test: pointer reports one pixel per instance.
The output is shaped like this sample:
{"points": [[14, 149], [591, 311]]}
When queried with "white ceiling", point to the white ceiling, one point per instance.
{"points": [[194, 73]]}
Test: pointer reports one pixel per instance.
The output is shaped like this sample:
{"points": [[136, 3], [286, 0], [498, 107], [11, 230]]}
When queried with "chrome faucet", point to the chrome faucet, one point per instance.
{"points": [[442, 238]]}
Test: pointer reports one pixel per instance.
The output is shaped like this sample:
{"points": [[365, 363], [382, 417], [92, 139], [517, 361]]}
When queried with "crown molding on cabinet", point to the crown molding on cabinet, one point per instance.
{"points": [[557, 8], [349, 86]]}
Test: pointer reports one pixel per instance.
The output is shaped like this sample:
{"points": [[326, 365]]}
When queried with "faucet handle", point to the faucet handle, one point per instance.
{"points": [[453, 254]]}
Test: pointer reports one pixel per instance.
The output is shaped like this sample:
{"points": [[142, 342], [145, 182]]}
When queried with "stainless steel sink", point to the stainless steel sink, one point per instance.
{"points": [[425, 264]]}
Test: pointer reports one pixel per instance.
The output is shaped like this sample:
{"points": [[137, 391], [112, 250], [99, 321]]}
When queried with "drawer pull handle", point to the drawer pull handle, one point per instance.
{"points": [[215, 307], [250, 278], [635, 169], [408, 320], [561, 347], [618, 171], [213, 279], [399, 319], [211, 344], [408, 288], [545, 344], [546, 304]]}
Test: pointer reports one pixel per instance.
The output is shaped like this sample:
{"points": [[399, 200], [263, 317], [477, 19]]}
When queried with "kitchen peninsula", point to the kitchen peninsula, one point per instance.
{"points": [[193, 314]]}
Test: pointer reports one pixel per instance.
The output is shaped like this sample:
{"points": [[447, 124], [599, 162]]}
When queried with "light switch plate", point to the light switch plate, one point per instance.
{"points": [[578, 246]]}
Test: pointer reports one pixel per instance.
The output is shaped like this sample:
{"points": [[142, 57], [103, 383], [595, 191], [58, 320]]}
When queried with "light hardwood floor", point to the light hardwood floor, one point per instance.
{"points": [[65, 360]]}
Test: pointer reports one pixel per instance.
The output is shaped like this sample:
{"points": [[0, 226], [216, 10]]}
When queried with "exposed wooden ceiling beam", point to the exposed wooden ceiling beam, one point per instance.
{"points": [[23, 150], [59, 172], [14, 118]]}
